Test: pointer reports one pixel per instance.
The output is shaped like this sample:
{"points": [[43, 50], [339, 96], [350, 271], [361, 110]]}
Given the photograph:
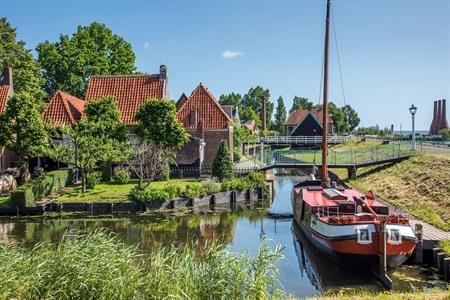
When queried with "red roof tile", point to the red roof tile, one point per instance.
{"points": [[128, 91], [298, 115], [4, 95], [64, 109], [209, 111]]}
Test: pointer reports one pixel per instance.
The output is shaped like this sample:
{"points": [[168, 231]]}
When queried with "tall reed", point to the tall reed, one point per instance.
{"points": [[97, 265]]}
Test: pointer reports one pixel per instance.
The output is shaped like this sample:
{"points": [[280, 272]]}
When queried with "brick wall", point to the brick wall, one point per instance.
{"points": [[189, 155], [212, 139]]}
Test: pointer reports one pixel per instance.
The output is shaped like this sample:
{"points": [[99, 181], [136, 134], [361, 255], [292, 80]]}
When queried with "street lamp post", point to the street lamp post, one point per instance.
{"points": [[413, 111]]}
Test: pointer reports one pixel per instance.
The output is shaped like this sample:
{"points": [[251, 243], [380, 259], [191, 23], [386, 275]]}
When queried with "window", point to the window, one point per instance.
{"points": [[394, 237], [364, 236]]}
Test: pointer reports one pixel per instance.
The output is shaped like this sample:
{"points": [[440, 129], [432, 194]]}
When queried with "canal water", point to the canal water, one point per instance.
{"points": [[302, 272]]}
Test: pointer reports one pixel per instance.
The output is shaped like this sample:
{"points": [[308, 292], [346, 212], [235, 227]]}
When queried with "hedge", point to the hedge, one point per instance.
{"points": [[35, 190]]}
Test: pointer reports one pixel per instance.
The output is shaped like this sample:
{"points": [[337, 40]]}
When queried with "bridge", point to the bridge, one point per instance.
{"points": [[303, 140], [344, 159]]}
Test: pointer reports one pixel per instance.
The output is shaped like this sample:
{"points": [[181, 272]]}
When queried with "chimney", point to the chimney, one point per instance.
{"points": [[444, 122], [162, 72], [437, 127], [200, 131], [433, 121], [263, 114], [7, 76]]}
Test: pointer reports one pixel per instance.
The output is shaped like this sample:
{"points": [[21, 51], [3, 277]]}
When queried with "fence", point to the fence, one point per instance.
{"points": [[195, 172], [332, 139]]}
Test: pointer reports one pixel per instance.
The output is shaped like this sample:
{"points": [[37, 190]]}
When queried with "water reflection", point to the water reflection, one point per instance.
{"points": [[302, 272]]}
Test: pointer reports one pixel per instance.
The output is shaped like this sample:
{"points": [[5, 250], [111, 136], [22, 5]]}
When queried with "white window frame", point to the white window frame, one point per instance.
{"points": [[358, 235]]}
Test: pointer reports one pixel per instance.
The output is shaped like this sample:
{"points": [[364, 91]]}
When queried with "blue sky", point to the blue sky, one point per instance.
{"points": [[393, 53]]}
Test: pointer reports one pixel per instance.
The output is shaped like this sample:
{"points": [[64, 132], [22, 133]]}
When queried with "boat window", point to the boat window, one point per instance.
{"points": [[364, 236], [394, 237]]}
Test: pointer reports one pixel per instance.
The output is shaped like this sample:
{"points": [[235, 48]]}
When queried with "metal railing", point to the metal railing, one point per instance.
{"points": [[332, 139]]}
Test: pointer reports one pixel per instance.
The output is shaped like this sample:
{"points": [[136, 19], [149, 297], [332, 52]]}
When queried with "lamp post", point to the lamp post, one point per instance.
{"points": [[413, 111]]}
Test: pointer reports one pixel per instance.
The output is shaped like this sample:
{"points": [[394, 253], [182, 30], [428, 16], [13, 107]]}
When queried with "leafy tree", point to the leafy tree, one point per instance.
{"points": [[160, 135], [157, 123], [445, 133], [300, 103], [27, 74], [22, 130], [87, 148], [337, 115], [241, 134], [105, 114], [280, 116], [253, 100], [231, 99], [222, 167], [250, 114], [92, 50], [351, 116]]}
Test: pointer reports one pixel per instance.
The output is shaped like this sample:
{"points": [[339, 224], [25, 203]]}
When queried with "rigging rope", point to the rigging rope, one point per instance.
{"points": [[338, 58]]}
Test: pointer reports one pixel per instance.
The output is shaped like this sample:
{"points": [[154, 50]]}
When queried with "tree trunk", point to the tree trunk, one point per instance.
{"points": [[83, 181]]}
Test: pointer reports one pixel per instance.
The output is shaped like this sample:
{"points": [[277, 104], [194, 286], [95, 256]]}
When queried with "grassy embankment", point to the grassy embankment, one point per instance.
{"points": [[111, 192], [388, 295], [99, 266]]}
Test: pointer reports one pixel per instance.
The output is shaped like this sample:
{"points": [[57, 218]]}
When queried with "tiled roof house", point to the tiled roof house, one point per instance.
{"points": [[305, 122], [6, 91], [129, 91], [64, 109], [203, 117]]}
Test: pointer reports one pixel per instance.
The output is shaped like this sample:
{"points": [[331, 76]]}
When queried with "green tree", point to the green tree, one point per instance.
{"points": [[222, 167], [157, 123], [22, 130], [231, 99], [300, 103], [351, 116], [250, 114], [280, 116], [105, 114], [92, 50], [160, 134], [253, 100], [337, 115], [27, 74], [445, 134]]}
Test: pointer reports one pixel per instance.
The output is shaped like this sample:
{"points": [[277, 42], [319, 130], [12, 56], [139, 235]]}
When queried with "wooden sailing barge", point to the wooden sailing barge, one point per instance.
{"points": [[352, 228]]}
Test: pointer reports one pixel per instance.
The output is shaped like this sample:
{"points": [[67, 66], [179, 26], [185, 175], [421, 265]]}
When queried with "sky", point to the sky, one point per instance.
{"points": [[393, 53]]}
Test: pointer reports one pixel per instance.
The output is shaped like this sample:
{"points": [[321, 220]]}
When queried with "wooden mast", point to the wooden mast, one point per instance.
{"points": [[325, 101]]}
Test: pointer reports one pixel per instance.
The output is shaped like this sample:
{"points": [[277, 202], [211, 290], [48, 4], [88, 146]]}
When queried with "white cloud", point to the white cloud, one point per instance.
{"points": [[147, 45], [231, 54]]}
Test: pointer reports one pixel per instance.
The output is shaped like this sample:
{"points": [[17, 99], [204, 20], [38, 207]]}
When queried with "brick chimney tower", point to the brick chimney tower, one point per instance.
{"points": [[438, 117], [443, 123], [433, 121], [263, 114]]}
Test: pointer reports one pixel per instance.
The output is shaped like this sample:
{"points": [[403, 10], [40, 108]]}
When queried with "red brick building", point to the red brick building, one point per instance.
{"points": [[63, 109], [204, 118], [6, 91]]}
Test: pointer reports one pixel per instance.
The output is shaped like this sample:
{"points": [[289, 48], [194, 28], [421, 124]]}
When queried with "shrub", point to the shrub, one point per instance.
{"points": [[173, 190], [236, 155], [222, 167], [92, 179], [148, 195], [164, 173], [35, 190], [210, 187], [257, 179], [235, 184], [192, 190], [121, 176]]}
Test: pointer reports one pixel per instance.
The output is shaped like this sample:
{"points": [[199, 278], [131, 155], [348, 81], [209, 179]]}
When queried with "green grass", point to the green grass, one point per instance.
{"points": [[99, 266], [419, 185], [110, 192], [4, 200], [445, 245], [433, 294]]}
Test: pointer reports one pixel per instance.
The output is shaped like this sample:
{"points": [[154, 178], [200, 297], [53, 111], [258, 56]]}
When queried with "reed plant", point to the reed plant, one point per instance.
{"points": [[97, 265]]}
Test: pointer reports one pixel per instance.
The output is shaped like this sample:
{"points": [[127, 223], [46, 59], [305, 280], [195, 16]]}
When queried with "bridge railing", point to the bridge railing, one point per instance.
{"points": [[336, 157], [332, 139]]}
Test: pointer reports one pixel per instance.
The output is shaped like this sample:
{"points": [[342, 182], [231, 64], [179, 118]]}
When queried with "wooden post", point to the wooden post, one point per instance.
{"points": [[447, 269], [440, 262], [435, 253]]}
